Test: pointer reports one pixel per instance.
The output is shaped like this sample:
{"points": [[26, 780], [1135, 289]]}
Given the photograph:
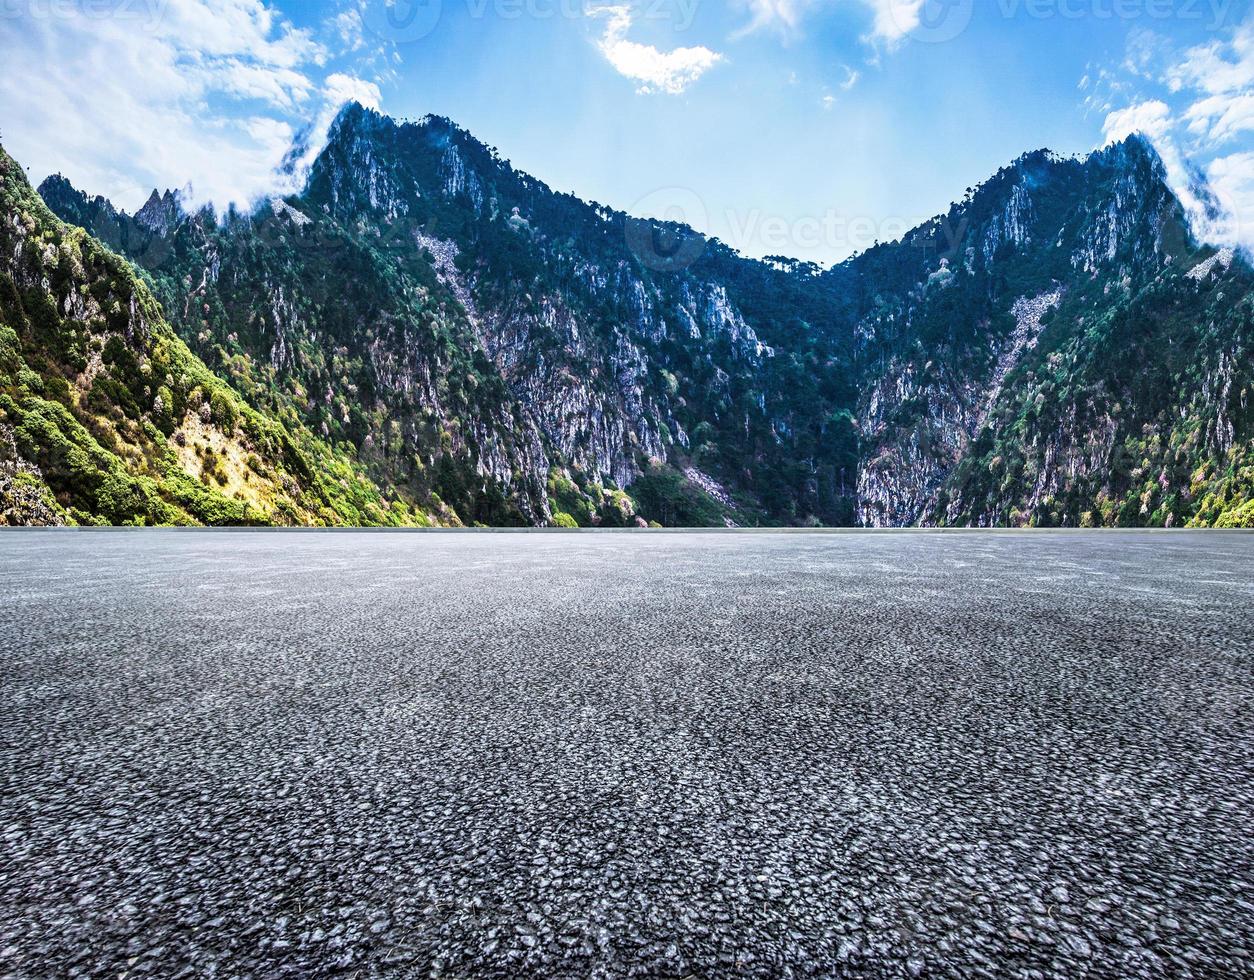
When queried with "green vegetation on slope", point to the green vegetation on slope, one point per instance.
{"points": [[107, 418], [1139, 416]]}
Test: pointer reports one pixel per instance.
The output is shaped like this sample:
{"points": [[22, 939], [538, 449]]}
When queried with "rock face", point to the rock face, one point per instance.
{"points": [[483, 344], [24, 497]]}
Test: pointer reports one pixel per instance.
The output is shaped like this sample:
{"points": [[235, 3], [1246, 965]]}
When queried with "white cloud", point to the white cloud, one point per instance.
{"points": [[282, 88], [780, 15], [891, 20], [1145, 50], [1218, 67], [235, 28], [894, 19], [350, 28], [653, 70], [340, 88], [1219, 76], [1207, 103], [828, 100], [1219, 117], [206, 92], [1216, 80], [1232, 180], [1152, 119]]}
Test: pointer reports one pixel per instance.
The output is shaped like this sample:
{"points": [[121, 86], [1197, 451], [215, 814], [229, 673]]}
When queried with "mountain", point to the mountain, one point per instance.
{"points": [[107, 417], [1055, 350], [488, 343]]}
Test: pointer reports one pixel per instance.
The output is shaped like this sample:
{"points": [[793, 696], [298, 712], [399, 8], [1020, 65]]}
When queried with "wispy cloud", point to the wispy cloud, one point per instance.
{"points": [[653, 70], [892, 21], [779, 15], [1219, 77], [828, 100], [1221, 117], [206, 92], [1203, 105], [1219, 67], [1151, 118]]}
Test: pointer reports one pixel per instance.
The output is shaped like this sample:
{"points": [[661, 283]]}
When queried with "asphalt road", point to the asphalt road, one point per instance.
{"points": [[285, 754]]}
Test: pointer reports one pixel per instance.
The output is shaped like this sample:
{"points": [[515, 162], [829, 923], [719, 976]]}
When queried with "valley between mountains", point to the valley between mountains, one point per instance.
{"points": [[426, 336]]}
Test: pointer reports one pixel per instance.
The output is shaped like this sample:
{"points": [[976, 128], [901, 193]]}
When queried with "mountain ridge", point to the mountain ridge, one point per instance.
{"points": [[626, 370]]}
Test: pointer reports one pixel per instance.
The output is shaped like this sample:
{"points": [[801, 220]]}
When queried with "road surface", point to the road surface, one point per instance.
{"points": [[284, 754]]}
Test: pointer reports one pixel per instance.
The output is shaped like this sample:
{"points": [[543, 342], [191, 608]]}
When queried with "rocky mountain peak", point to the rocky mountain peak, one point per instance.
{"points": [[160, 214], [1135, 154]]}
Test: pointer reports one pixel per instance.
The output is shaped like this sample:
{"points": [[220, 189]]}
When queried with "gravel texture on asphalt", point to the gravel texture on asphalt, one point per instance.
{"points": [[284, 754]]}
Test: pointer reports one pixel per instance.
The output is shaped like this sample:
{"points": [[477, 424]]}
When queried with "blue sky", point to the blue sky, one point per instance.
{"points": [[799, 127]]}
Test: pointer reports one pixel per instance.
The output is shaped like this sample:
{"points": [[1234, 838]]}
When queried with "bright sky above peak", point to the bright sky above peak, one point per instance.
{"points": [[808, 128]]}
